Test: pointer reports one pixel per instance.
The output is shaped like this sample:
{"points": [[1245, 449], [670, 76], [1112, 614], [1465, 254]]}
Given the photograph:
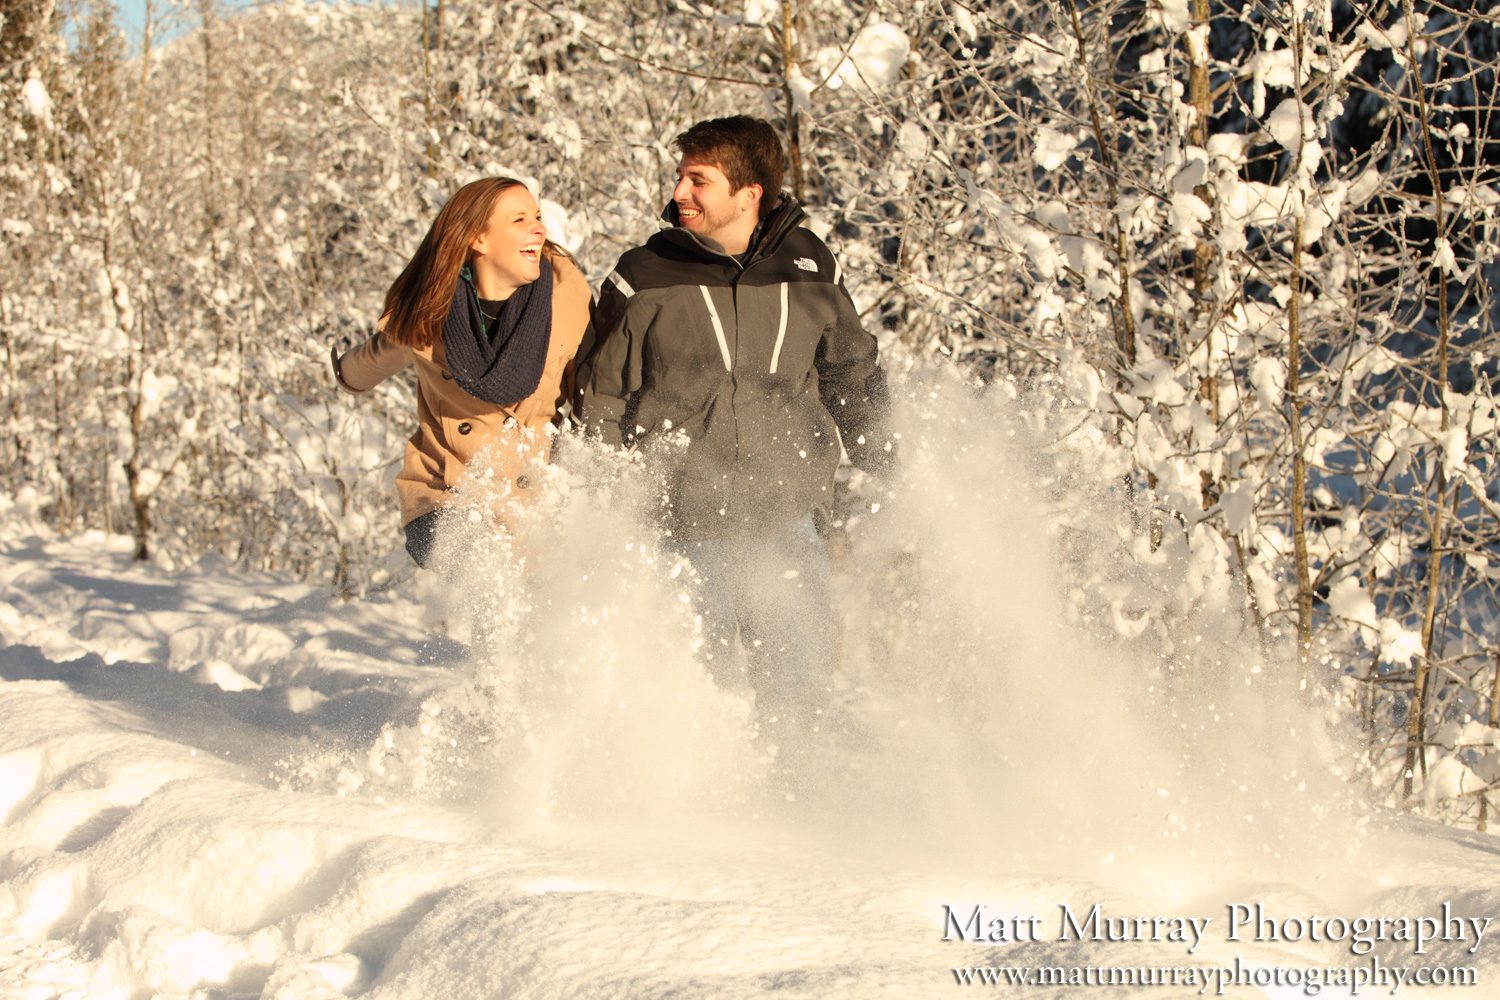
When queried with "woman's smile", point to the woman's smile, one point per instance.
{"points": [[508, 253]]}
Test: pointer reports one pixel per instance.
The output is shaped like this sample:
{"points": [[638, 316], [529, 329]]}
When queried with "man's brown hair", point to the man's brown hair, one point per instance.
{"points": [[745, 149]]}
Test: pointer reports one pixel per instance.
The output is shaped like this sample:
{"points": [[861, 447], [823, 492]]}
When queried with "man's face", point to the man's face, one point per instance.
{"points": [[706, 206]]}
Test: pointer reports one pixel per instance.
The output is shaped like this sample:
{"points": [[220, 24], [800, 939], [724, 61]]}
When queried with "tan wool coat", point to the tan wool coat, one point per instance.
{"points": [[453, 426]]}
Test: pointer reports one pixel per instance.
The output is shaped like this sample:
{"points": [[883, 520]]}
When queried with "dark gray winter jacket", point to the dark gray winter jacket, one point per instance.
{"points": [[756, 363]]}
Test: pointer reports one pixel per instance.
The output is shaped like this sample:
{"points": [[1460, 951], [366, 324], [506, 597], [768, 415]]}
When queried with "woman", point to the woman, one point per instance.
{"points": [[491, 312]]}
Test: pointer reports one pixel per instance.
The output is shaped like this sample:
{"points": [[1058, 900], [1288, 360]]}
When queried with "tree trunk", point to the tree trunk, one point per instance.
{"points": [[1201, 96], [427, 92], [13, 390], [1299, 460], [140, 503], [1484, 797], [1123, 314], [1416, 735], [793, 116]]}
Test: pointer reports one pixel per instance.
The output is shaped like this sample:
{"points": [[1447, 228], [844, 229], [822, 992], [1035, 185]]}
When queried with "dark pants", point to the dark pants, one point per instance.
{"points": [[774, 591], [421, 536]]}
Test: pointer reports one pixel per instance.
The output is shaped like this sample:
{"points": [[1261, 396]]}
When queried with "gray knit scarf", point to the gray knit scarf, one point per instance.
{"points": [[505, 365]]}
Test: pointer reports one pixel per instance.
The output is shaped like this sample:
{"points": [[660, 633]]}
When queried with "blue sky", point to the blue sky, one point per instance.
{"points": [[132, 13]]}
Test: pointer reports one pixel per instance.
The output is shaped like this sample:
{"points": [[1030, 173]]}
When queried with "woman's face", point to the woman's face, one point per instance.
{"points": [[508, 254]]}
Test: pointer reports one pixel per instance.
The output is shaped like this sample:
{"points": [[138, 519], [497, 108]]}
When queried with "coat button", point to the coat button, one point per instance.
{"points": [[465, 427], [523, 483]]}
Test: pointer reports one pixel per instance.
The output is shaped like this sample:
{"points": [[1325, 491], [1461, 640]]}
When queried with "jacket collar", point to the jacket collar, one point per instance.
{"points": [[772, 231]]}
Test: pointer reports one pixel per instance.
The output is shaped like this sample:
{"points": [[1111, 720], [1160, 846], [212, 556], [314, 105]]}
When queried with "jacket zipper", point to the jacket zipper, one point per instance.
{"points": [[734, 298], [734, 294]]}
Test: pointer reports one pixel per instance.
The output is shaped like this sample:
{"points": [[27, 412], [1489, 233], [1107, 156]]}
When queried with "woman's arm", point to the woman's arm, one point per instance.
{"points": [[369, 364], [572, 305]]}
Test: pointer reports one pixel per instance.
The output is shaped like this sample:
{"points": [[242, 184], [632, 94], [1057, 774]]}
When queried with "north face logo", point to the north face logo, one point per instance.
{"points": [[807, 263]]}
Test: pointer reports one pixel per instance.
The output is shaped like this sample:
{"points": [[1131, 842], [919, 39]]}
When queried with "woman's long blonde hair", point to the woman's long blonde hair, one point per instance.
{"points": [[417, 304]]}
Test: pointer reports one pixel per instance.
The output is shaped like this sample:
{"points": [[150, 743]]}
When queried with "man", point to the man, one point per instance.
{"points": [[734, 329]]}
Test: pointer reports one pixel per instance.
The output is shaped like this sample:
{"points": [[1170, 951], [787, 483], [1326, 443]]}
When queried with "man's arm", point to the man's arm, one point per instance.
{"points": [[610, 369], [852, 386]]}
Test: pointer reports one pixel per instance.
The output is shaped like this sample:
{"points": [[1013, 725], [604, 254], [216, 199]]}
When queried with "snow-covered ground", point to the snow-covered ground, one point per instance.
{"points": [[221, 784]]}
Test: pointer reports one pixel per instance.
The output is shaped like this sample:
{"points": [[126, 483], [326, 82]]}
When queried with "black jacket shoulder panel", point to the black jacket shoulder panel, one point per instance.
{"points": [[666, 263], [802, 257]]}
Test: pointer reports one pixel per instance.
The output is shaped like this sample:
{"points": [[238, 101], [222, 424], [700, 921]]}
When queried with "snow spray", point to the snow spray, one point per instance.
{"points": [[1036, 682], [1063, 685], [586, 699]]}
